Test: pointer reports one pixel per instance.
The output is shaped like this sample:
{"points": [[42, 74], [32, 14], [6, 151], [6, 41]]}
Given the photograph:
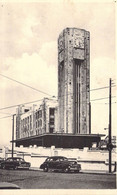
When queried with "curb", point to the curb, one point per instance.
{"points": [[82, 171]]}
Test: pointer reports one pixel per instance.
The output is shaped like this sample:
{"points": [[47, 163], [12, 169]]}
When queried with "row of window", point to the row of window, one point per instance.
{"points": [[38, 131], [26, 126], [38, 114], [39, 123], [25, 121]]}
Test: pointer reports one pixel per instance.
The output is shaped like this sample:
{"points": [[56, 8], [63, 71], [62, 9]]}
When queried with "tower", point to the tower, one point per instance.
{"points": [[74, 80]]}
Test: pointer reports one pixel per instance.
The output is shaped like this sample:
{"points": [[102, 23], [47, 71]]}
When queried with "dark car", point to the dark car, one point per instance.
{"points": [[6, 185], [60, 163], [1, 160], [15, 163]]}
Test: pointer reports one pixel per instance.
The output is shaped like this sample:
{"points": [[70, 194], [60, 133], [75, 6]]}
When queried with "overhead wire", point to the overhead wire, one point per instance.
{"points": [[24, 84], [42, 99], [49, 94], [20, 104]]}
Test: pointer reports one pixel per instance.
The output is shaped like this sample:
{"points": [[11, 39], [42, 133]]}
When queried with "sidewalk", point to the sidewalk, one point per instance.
{"points": [[98, 172], [83, 171]]}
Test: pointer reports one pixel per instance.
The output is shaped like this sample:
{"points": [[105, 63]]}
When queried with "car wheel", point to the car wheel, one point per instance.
{"points": [[3, 167], [15, 168], [45, 169], [66, 170], [77, 171]]}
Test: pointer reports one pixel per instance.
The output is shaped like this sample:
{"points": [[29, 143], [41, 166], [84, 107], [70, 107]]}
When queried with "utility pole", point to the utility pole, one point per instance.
{"points": [[89, 117], [110, 149], [13, 135]]}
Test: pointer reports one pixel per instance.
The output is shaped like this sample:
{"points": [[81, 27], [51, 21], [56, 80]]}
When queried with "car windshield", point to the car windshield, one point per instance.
{"points": [[56, 159], [9, 159]]}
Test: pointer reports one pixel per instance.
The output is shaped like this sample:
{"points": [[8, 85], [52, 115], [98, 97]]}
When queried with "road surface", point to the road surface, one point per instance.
{"points": [[36, 179]]}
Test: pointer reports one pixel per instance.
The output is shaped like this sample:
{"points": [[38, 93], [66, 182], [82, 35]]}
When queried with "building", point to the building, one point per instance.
{"points": [[38, 119], [74, 81], [64, 123]]}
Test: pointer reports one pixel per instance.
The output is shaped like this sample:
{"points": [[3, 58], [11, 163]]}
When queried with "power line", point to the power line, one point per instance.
{"points": [[88, 90], [42, 99], [102, 98], [24, 84], [20, 104], [101, 88], [63, 105], [45, 92], [58, 96]]}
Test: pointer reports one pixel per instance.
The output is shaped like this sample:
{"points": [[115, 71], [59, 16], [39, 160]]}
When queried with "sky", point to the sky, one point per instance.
{"points": [[28, 54]]}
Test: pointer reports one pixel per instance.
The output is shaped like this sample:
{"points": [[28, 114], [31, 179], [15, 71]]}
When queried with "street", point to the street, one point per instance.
{"points": [[36, 179]]}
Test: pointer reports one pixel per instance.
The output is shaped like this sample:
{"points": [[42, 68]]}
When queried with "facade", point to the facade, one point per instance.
{"points": [[74, 81], [38, 119], [66, 122]]}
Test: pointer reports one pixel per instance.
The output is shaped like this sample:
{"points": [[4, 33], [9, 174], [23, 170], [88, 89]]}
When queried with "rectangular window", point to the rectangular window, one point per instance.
{"points": [[51, 130], [51, 121], [52, 111], [40, 113], [40, 122], [36, 115]]}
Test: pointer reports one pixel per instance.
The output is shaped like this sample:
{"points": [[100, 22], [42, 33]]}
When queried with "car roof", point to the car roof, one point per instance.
{"points": [[14, 158], [57, 157]]}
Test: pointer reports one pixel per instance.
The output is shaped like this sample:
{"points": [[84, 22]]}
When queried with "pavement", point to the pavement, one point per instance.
{"points": [[103, 172]]}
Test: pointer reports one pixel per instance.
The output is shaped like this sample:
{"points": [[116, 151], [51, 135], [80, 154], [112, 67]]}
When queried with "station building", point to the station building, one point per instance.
{"points": [[38, 119], [66, 122]]}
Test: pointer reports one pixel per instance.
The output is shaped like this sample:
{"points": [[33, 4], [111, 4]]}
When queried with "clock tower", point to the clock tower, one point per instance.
{"points": [[74, 81]]}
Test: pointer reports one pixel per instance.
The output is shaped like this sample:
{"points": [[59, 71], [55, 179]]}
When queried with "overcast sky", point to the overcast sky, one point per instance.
{"points": [[28, 54]]}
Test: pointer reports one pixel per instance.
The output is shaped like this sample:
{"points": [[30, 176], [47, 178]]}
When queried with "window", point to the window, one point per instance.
{"points": [[51, 130], [40, 113], [52, 111], [48, 159], [52, 121], [36, 115]]}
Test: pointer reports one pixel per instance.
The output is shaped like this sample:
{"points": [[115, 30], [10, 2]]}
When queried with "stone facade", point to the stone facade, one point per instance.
{"points": [[38, 119], [74, 81]]}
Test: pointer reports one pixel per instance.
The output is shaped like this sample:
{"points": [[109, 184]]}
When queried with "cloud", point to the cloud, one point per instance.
{"points": [[102, 69], [28, 39], [34, 71]]}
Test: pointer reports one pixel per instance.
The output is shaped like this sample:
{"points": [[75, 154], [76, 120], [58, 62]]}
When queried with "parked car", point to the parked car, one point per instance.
{"points": [[15, 163], [6, 185], [1, 160], [60, 163]]}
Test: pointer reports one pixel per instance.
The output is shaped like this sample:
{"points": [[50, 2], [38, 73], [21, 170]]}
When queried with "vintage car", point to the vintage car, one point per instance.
{"points": [[15, 163], [60, 163], [7, 185], [1, 160]]}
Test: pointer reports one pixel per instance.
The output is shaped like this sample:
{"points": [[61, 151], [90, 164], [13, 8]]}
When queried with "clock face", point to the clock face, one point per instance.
{"points": [[79, 42], [79, 39]]}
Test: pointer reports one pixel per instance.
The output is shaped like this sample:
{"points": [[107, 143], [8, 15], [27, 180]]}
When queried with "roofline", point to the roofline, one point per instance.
{"points": [[59, 134]]}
